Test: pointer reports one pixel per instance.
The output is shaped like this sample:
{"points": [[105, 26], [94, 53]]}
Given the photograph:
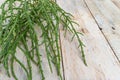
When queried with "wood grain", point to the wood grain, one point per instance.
{"points": [[116, 2], [107, 16], [102, 63], [99, 21]]}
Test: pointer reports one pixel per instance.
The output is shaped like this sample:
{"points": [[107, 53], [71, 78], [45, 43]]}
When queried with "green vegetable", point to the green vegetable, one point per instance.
{"points": [[17, 25]]}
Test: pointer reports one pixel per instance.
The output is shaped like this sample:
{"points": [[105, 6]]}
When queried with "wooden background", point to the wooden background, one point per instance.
{"points": [[100, 22]]}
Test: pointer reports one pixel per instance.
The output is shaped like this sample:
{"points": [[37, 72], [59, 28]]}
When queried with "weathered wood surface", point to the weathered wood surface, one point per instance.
{"points": [[108, 20], [100, 22], [102, 47]]}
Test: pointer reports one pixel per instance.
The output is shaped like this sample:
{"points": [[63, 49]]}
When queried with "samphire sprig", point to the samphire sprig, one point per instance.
{"points": [[17, 24]]}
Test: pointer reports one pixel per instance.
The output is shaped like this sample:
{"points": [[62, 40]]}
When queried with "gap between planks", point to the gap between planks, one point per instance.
{"points": [[62, 62], [101, 31], [101, 63]]}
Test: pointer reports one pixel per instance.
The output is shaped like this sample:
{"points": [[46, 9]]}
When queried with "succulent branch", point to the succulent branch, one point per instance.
{"points": [[17, 24]]}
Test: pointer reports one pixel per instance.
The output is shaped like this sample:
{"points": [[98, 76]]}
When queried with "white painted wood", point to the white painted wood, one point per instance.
{"points": [[107, 16], [102, 63]]}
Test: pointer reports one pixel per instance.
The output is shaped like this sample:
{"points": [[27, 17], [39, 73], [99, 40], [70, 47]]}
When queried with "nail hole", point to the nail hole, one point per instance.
{"points": [[100, 28], [113, 28]]}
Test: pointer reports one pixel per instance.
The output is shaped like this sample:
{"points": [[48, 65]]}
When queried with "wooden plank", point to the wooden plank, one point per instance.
{"points": [[116, 2], [107, 16], [36, 75], [102, 63]]}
